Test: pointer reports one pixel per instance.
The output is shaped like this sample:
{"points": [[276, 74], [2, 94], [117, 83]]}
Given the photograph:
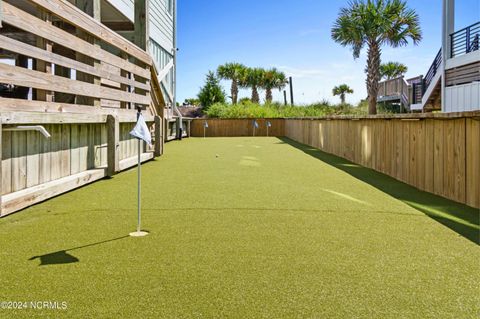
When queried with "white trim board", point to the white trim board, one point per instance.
{"points": [[462, 60]]}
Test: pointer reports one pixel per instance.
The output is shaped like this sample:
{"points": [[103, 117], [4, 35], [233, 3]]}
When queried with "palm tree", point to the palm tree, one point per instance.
{"points": [[231, 71], [392, 70], [252, 78], [273, 79], [341, 90], [375, 23]]}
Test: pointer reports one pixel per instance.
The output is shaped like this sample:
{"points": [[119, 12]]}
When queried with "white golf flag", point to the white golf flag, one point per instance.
{"points": [[205, 124], [255, 123], [269, 124], [141, 130]]}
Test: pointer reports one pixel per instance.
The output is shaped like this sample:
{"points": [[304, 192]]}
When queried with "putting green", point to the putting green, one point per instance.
{"points": [[244, 228]]}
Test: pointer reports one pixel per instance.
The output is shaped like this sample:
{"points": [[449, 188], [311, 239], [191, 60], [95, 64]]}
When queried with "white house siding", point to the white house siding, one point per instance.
{"points": [[160, 32], [161, 24], [161, 37], [460, 98], [162, 58]]}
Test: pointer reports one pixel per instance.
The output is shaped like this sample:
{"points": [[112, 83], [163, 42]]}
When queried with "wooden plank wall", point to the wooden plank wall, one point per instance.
{"points": [[128, 144], [30, 159], [89, 115], [237, 127], [463, 74], [437, 155]]}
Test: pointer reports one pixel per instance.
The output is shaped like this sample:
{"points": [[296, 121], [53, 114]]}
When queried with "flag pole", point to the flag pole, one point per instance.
{"points": [[139, 232], [139, 215]]}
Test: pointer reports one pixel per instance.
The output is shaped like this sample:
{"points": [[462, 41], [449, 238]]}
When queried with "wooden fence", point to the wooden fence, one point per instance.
{"points": [[236, 127], [82, 82], [435, 153]]}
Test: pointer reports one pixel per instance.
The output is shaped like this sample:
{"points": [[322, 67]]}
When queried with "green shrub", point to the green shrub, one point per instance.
{"points": [[248, 109]]}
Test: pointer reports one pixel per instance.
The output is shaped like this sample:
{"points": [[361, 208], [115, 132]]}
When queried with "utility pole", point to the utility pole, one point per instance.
{"points": [[291, 90], [285, 97]]}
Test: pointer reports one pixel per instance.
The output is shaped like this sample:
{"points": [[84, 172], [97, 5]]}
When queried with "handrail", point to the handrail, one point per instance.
{"points": [[396, 86], [156, 92], [432, 71], [465, 40]]}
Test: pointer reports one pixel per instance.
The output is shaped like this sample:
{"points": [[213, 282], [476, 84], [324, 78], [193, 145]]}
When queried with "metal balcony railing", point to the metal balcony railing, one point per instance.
{"points": [[465, 40], [434, 68]]}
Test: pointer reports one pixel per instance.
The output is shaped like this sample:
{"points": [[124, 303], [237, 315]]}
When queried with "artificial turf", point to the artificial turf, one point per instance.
{"points": [[244, 228]]}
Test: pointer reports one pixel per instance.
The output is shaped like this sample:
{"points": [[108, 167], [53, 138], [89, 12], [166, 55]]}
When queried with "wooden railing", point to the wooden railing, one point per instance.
{"points": [[395, 88], [92, 64], [80, 80], [415, 89]]}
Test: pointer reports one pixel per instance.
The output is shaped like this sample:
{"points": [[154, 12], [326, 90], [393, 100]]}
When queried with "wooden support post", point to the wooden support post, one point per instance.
{"points": [[43, 66], [92, 8], [141, 32], [165, 129], [113, 145], [158, 136]]}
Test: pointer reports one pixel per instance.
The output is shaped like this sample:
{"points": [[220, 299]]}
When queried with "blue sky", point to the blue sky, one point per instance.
{"points": [[293, 36]]}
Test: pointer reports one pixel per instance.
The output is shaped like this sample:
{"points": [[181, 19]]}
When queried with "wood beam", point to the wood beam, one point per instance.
{"points": [[164, 72], [29, 78], [52, 58], [141, 29], [132, 161], [158, 136], [29, 110], [26, 197]]}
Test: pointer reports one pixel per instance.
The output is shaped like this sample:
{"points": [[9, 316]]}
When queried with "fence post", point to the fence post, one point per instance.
{"points": [[158, 136], [113, 144]]}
